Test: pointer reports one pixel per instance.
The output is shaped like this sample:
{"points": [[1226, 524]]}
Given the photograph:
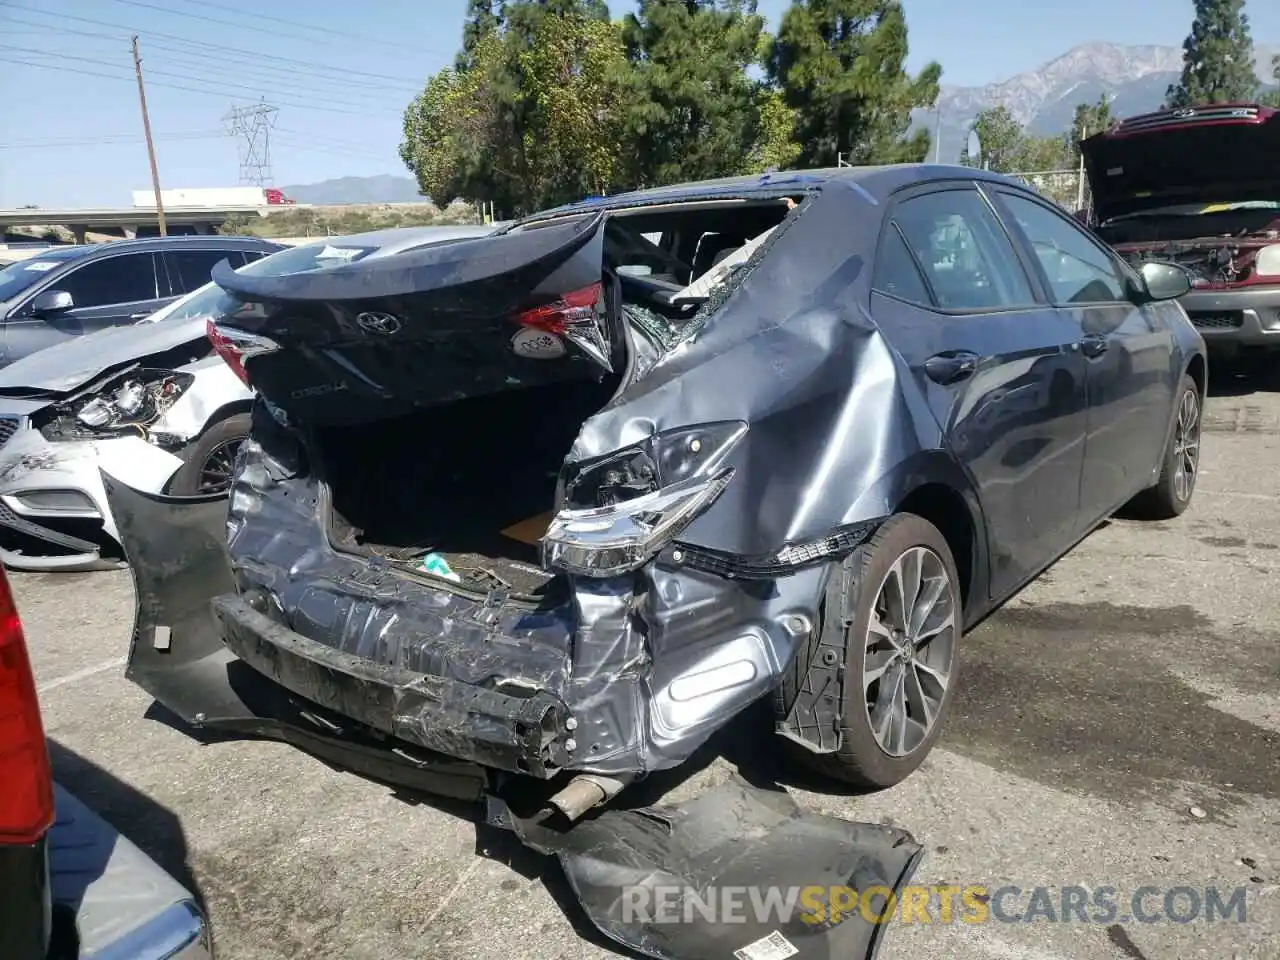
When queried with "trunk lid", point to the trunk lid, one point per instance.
{"points": [[1205, 154], [360, 341]]}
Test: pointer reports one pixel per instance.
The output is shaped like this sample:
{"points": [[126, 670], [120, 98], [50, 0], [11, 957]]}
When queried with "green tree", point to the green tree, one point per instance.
{"points": [[694, 112], [1008, 148], [840, 66], [483, 17], [1217, 57], [534, 120], [1272, 97], [775, 147], [1000, 139]]}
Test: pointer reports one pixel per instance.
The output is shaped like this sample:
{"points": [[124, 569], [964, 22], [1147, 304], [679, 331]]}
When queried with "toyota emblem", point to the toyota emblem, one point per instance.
{"points": [[382, 323]]}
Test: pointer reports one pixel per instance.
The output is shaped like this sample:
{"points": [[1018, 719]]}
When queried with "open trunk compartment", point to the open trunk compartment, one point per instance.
{"points": [[472, 482]]}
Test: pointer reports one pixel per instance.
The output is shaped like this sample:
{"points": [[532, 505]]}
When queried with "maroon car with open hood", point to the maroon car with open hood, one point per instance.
{"points": [[1200, 187]]}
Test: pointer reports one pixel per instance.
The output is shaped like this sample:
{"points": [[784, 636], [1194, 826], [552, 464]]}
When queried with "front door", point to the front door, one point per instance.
{"points": [[1002, 370], [106, 292], [1128, 349]]}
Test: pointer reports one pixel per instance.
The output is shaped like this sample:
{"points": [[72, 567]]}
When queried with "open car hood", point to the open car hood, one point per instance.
{"points": [[1209, 155], [72, 364]]}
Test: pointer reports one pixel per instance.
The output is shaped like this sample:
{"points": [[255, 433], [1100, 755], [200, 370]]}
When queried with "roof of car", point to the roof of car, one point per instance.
{"points": [[876, 181], [398, 239], [196, 242]]}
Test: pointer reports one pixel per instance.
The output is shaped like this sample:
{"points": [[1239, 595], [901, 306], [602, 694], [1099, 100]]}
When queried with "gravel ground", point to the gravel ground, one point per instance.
{"points": [[1117, 724]]}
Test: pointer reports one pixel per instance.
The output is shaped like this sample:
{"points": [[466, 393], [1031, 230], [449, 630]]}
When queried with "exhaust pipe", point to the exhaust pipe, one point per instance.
{"points": [[584, 792]]}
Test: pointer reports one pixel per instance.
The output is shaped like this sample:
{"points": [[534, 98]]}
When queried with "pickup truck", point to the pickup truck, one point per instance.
{"points": [[70, 885]]}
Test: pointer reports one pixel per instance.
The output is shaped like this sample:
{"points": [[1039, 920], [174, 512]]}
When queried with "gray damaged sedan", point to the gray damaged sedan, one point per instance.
{"points": [[553, 506]]}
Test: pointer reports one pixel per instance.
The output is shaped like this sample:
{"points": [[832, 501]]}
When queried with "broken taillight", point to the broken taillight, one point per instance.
{"points": [[572, 309], [26, 784], [235, 347]]}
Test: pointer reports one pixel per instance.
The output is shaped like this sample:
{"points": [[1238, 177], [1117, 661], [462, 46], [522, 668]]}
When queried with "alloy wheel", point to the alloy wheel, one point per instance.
{"points": [[910, 651], [1186, 445], [218, 466]]}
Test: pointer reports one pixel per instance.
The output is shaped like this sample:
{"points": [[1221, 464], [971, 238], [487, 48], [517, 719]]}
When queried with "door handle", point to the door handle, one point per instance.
{"points": [[947, 368], [139, 316], [1094, 345]]}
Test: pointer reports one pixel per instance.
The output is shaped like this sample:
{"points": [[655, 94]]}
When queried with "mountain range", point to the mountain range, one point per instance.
{"points": [[1043, 100]]}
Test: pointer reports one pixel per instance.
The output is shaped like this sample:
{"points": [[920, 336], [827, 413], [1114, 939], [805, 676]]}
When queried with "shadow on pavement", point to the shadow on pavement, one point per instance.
{"points": [[1240, 377], [155, 829]]}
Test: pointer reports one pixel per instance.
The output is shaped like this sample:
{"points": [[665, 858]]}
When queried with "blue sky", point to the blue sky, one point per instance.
{"points": [[341, 72]]}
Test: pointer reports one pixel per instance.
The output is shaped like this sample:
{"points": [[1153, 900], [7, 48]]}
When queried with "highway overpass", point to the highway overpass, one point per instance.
{"points": [[134, 221]]}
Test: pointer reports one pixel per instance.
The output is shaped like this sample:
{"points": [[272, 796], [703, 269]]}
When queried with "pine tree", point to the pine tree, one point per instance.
{"points": [[695, 113], [483, 17], [840, 65], [1217, 57]]}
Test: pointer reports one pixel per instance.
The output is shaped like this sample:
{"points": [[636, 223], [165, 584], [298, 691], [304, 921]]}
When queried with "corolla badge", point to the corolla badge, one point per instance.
{"points": [[381, 323]]}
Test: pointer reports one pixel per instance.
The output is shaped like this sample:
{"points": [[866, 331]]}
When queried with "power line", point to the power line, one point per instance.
{"points": [[252, 61], [108, 139], [222, 93], [213, 46], [345, 35], [301, 91], [293, 23]]}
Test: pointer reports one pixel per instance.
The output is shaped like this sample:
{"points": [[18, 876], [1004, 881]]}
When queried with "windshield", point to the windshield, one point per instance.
{"points": [[16, 277]]}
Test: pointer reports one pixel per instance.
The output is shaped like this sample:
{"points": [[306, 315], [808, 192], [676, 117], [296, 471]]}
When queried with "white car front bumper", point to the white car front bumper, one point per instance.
{"points": [[53, 509]]}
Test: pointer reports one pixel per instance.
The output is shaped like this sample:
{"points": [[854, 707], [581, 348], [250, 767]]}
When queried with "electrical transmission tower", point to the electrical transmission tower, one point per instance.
{"points": [[253, 124]]}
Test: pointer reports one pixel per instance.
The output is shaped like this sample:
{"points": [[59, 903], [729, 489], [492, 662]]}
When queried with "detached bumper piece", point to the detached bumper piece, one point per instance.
{"points": [[518, 734], [695, 880], [125, 906]]}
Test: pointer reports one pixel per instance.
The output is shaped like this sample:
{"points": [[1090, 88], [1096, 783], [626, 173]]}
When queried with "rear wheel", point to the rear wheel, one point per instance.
{"points": [[900, 599], [211, 460], [1171, 494]]}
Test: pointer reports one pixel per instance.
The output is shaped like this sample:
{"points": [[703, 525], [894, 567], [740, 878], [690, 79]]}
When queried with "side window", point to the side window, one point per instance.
{"points": [[896, 273], [112, 280], [246, 257], [190, 269], [1077, 270], [968, 259]]}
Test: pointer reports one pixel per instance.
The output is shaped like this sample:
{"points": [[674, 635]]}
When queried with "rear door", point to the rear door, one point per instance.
{"points": [[1128, 351], [111, 291], [189, 270], [1001, 369]]}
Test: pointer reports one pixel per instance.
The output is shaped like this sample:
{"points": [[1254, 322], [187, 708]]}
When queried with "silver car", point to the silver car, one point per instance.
{"points": [[152, 404]]}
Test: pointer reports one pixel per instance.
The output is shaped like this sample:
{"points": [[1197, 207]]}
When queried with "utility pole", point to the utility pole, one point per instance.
{"points": [[151, 147], [937, 137]]}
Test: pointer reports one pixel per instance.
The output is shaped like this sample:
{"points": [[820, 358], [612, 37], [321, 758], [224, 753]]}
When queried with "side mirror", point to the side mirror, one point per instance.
{"points": [[1165, 281], [52, 301]]}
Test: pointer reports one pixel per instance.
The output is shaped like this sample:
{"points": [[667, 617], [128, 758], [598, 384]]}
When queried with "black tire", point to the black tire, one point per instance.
{"points": [[853, 590], [1168, 497], [219, 438]]}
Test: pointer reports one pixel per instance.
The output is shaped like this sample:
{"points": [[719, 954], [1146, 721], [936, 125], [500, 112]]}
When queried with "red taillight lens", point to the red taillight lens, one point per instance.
{"points": [[26, 784], [226, 348], [576, 307]]}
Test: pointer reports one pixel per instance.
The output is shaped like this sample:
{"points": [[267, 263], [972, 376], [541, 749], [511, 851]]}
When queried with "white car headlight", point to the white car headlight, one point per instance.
{"points": [[1267, 263]]}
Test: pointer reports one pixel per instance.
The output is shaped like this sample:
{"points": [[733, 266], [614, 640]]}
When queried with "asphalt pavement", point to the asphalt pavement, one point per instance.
{"points": [[1117, 725]]}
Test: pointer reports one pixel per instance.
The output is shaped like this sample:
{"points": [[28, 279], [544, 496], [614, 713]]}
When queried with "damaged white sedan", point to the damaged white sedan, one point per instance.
{"points": [[149, 402]]}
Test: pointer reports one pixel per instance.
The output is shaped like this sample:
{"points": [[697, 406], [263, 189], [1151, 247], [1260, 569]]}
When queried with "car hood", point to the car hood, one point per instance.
{"points": [[71, 364], [1207, 159]]}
